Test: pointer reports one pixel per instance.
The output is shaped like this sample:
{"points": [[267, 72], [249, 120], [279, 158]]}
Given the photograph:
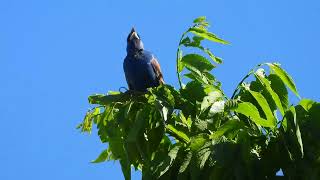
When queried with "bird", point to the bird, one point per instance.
{"points": [[142, 69]]}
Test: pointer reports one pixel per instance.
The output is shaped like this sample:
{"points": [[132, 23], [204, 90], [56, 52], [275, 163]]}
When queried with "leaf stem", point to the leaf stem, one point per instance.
{"points": [[243, 79], [239, 84], [178, 59]]}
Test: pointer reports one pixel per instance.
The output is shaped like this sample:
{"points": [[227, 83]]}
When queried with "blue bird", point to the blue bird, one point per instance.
{"points": [[141, 67]]}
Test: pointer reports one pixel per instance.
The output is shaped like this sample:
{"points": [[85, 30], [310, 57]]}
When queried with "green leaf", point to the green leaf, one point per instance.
{"points": [[207, 35], [161, 168], [185, 40], [203, 155], [196, 43], [204, 78], [177, 134], [250, 111], [213, 57], [199, 19], [127, 109], [197, 61], [180, 64], [86, 125], [196, 75], [126, 168], [209, 77], [103, 99], [185, 162], [184, 120], [104, 156], [218, 60], [280, 89], [140, 120], [202, 125], [297, 132], [284, 76], [199, 159], [307, 104], [230, 125], [196, 142], [194, 91], [116, 147], [264, 105], [314, 119], [292, 133], [275, 98]]}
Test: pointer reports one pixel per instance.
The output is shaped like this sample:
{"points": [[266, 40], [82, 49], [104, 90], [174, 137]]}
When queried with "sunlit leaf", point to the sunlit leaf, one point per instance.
{"points": [[180, 64], [102, 99], [207, 35], [196, 132], [199, 19], [252, 113], [264, 106], [274, 96], [184, 119], [212, 56], [307, 104], [177, 134]]}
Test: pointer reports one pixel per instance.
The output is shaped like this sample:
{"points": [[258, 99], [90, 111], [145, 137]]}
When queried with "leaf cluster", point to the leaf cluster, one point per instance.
{"points": [[197, 132]]}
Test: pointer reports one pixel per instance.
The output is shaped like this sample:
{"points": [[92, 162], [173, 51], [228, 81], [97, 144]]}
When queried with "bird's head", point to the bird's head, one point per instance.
{"points": [[134, 43]]}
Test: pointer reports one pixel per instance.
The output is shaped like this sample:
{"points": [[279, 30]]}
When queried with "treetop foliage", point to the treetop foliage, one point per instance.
{"points": [[195, 131]]}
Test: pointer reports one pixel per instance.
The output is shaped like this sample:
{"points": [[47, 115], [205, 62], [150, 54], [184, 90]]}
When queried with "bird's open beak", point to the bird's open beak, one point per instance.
{"points": [[133, 34]]}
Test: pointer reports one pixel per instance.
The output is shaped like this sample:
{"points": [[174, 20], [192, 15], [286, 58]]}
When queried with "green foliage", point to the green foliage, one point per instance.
{"points": [[197, 132]]}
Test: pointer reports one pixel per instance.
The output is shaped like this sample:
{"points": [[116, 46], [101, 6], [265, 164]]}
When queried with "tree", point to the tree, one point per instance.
{"points": [[197, 132]]}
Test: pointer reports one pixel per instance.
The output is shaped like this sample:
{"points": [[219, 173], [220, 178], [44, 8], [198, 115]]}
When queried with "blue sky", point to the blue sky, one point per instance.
{"points": [[53, 54]]}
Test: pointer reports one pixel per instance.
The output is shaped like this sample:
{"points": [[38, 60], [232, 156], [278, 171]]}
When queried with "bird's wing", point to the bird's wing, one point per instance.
{"points": [[156, 67], [127, 76], [129, 84]]}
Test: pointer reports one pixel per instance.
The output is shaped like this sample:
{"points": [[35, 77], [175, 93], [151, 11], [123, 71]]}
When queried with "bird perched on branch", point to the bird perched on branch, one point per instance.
{"points": [[141, 68]]}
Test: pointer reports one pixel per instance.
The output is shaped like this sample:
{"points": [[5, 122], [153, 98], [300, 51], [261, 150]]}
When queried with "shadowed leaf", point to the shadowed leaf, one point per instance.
{"points": [[285, 77], [197, 61], [104, 156]]}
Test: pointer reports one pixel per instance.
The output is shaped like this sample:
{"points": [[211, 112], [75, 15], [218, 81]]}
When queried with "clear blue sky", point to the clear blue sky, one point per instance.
{"points": [[53, 54]]}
